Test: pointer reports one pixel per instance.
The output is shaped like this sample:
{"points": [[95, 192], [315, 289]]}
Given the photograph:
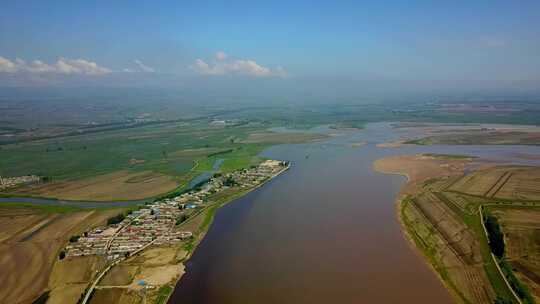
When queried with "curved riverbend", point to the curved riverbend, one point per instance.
{"points": [[326, 231]]}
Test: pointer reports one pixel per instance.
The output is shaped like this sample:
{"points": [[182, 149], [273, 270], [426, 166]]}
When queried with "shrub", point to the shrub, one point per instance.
{"points": [[182, 218]]}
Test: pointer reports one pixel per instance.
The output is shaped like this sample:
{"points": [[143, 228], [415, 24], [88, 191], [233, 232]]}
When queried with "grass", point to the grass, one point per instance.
{"points": [[163, 294], [243, 157], [95, 154], [182, 154], [521, 290]]}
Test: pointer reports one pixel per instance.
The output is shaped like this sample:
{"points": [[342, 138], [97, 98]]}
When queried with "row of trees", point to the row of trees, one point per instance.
{"points": [[495, 235]]}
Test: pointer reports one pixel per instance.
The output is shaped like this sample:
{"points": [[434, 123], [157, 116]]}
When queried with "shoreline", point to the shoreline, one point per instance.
{"points": [[203, 233], [398, 206], [418, 174]]}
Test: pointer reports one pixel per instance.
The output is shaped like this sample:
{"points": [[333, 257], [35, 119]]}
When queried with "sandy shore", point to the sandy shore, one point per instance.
{"points": [[419, 167]]}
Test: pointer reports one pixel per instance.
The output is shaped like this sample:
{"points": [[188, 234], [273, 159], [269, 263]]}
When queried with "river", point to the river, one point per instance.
{"points": [[326, 231]]}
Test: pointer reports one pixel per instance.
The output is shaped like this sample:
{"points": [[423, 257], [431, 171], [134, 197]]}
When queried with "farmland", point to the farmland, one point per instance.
{"points": [[505, 183], [138, 162], [439, 209], [120, 185], [149, 244], [30, 242]]}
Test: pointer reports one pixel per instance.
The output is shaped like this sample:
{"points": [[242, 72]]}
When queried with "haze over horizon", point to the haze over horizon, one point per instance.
{"points": [[302, 50]]}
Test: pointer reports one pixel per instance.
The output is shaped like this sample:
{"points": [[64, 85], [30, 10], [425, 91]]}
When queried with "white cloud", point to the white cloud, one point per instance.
{"points": [[7, 66], [223, 66], [62, 66], [144, 67]]}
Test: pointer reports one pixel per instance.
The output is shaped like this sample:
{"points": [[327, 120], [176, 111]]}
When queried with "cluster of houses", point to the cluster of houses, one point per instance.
{"points": [[9, 182], [152, 224], [157, 223]]}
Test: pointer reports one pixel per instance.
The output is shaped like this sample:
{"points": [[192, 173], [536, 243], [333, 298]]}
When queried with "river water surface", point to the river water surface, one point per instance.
{"points": [[325, 231]]}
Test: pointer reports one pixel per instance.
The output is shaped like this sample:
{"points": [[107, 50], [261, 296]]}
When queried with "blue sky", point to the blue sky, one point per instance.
{"points": [[400, 45]]}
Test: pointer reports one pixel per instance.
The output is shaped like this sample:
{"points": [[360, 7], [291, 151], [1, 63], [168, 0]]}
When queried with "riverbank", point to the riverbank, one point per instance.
{"points": [[208, 218], [417, 169], [121, 281], [439, 209]]}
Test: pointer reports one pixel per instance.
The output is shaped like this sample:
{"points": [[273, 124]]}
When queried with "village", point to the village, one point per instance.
{"points": [[160, 222]]}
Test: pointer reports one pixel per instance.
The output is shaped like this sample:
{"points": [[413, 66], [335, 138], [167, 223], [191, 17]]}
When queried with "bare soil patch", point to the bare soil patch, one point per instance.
{"points": [[119, 275]]}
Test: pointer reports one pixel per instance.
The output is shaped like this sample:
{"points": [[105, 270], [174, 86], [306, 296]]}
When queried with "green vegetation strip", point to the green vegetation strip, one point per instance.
{"points": [[163, 294]]}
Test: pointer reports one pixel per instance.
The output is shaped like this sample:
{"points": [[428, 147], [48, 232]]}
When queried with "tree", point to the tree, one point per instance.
{"points": [[115, 219], [62, 255], [495, 236], [229, 182]]}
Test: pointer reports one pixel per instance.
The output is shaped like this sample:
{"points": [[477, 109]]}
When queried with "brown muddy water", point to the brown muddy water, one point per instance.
{"points": [[326, 231]]}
